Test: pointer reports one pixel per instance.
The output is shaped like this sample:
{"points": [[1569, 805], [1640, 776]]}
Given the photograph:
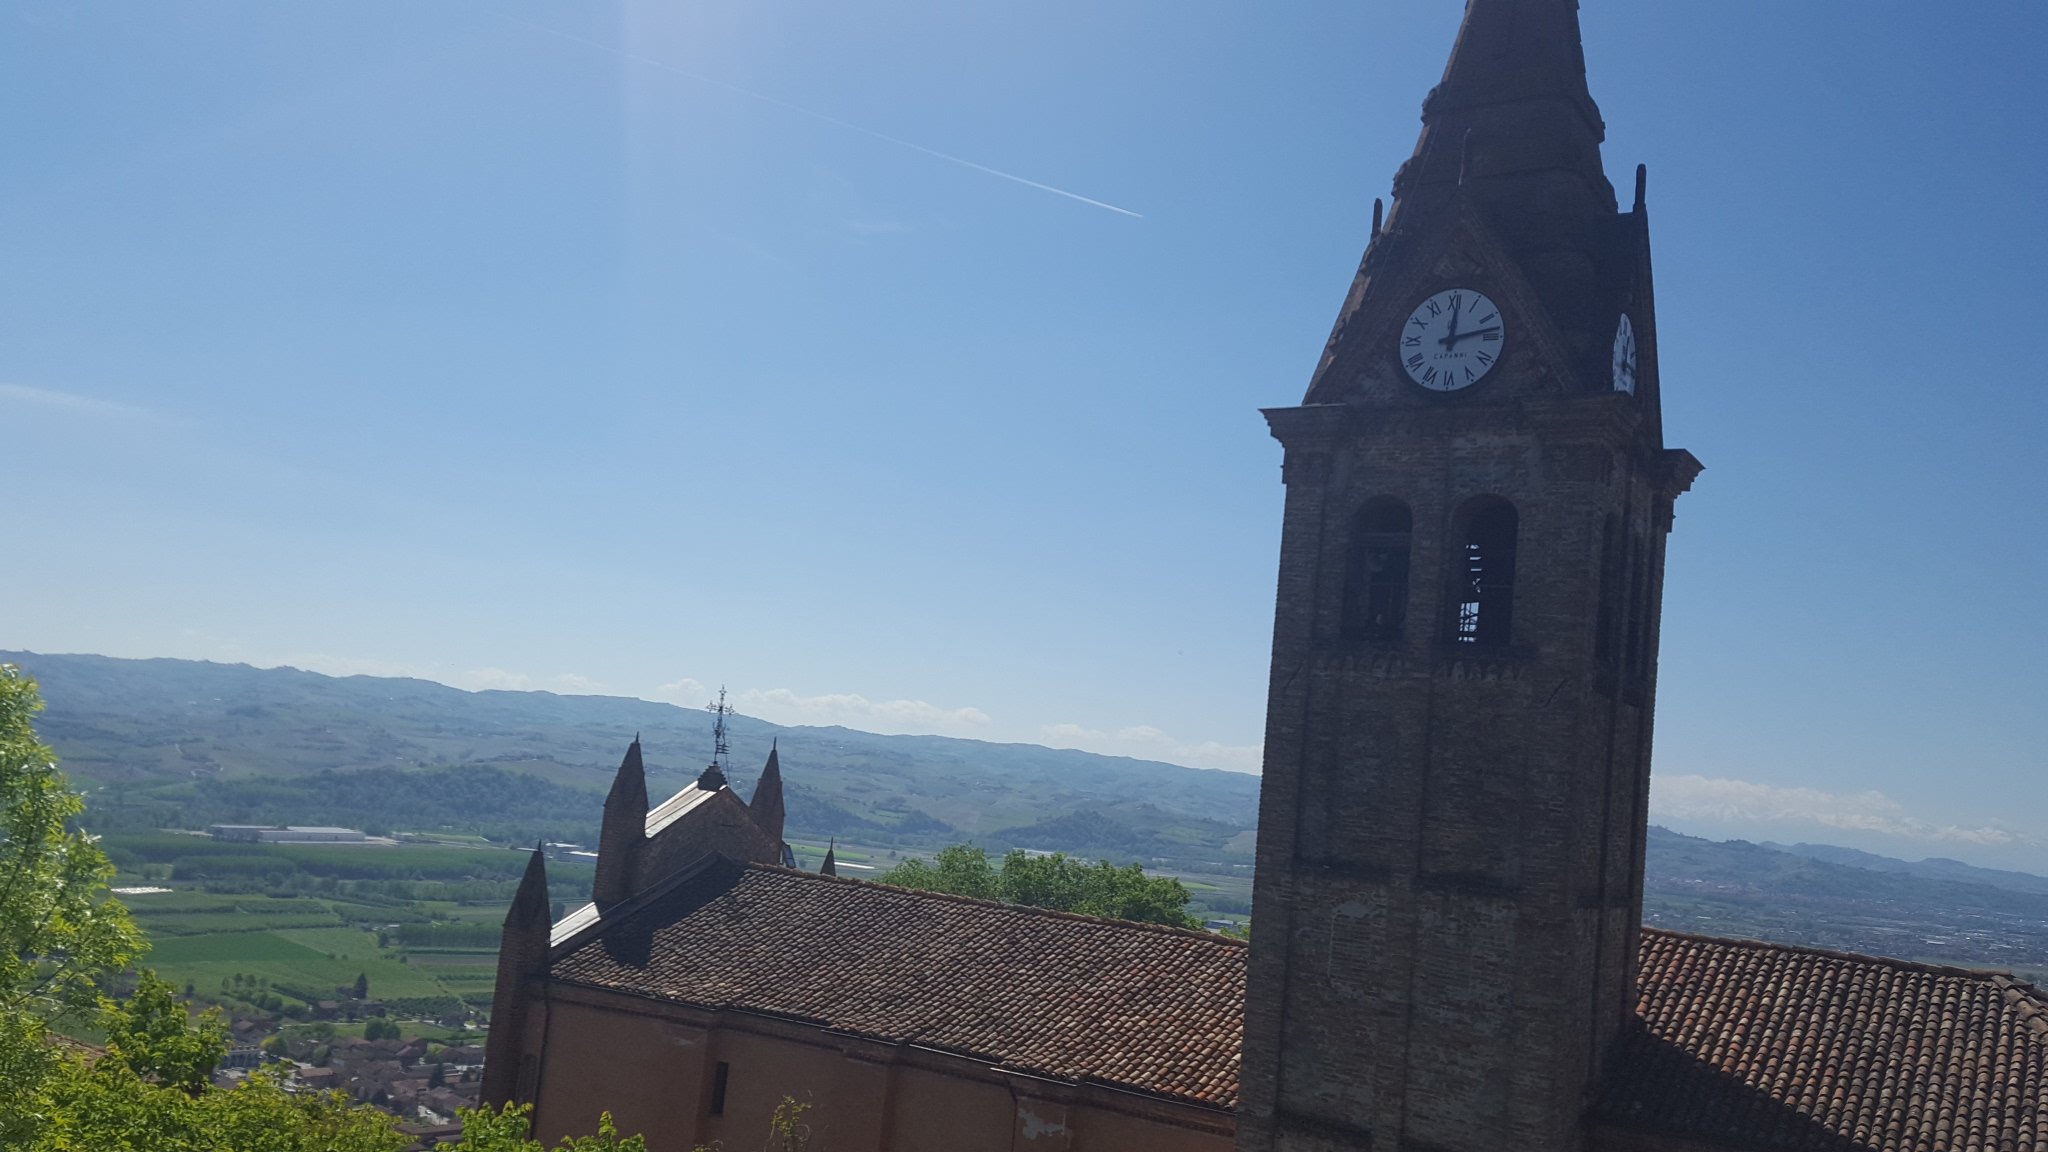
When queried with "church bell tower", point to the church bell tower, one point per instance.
{"points": [[1457, 749]]}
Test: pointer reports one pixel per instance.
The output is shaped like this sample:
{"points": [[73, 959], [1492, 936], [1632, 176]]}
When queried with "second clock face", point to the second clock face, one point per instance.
{"points": [[1625, 356], [1451, 340]]}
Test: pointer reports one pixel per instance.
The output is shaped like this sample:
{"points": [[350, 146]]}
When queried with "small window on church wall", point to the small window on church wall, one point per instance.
{"points": [[1484, 596], [718, 1079], [1376, 571]]}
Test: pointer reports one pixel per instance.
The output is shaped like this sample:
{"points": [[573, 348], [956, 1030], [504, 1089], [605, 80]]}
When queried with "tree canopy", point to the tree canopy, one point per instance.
{"points": [[62, 936], [1056, 881]]}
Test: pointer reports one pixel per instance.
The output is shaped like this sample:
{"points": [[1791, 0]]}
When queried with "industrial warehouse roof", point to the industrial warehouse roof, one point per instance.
{"points": [[1736, 1042]]}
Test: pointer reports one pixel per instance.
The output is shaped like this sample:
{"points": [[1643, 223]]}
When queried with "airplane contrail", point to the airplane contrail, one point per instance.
{"points": [[817, 115]]}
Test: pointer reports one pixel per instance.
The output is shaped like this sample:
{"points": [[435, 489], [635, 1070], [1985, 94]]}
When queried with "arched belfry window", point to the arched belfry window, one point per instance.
{"points": [[1376, 571], [1483, 596]]}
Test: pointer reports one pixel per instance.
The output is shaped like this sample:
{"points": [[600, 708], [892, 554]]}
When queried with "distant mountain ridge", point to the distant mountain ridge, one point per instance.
{"points": [[183, 731], [1931, 868], [1855, 902], [162, 742]]}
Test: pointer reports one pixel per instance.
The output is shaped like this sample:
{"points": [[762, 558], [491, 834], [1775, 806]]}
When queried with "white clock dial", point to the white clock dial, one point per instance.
{"points": [[1625, 356], [1451, 340]]}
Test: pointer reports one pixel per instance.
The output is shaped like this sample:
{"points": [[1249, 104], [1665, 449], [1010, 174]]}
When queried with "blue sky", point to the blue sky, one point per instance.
{"points": [[639, 348]]}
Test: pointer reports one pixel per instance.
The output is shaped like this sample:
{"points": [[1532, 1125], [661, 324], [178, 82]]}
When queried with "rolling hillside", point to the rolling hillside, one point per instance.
{"points": [[171, 743], [177, 742]]}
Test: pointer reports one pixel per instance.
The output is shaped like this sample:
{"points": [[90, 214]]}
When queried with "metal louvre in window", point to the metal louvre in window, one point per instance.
{"points": [[1483, 597]]}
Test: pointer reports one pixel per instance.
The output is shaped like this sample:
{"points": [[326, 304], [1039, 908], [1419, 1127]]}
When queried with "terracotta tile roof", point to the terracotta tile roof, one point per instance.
{"points": [[1768, 1046], [1155, 1010], [1738, 1042]]}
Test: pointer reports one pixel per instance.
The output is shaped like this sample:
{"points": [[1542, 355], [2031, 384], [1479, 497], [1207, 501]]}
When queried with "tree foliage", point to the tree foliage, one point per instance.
{"points": [[1058, 881], [153, 1039], [150, 1089], [484, 1130], [105, 1106], [59, 933]]}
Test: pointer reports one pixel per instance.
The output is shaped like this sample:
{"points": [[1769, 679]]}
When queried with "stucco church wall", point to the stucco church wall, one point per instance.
{"points": [[655, 1091], [653, 1066], [849, 1099], [935, 1112]]}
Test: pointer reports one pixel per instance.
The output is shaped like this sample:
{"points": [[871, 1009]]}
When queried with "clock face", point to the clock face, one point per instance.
{"points": [[1451, 340], [1625, 356]]}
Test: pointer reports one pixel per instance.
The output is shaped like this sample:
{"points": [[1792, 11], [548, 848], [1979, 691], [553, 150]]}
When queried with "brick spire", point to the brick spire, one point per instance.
{"points": [[831, 865], [766, 805], [625, 826], [522, 954], [1513, 125]]}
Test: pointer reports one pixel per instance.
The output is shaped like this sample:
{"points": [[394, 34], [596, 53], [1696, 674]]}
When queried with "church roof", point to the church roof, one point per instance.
{"points": [[1737, 1042], [1774, 1047], [1138, 1007]]}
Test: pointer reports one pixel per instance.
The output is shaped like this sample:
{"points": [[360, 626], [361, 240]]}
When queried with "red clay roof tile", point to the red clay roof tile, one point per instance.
{"points": [[1738, 1042], [1773, 1047], [1153, 1009]]}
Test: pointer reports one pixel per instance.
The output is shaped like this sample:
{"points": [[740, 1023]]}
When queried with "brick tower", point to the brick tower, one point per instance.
{"points": [[1464, 648]]}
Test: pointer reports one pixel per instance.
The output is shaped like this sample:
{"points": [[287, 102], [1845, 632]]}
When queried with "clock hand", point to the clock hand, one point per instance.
{"points": [[1453, 338]]}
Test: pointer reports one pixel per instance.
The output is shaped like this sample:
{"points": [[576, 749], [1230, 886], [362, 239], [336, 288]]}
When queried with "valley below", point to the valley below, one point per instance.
{"points": [[460, 785]]}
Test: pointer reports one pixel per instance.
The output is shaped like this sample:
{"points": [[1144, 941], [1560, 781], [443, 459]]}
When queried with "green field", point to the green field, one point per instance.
{"points": [[269, 931], [284, 963], [266, 930]]}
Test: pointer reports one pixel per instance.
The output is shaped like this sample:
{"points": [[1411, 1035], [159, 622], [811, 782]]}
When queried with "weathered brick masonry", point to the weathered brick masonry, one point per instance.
{"points": [[1453, 814]]}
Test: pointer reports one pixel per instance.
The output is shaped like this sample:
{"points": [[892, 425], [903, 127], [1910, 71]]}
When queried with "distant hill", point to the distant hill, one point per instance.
{"points": [[1865, 903], [1932, 868], [189, 742], [181, 743]]}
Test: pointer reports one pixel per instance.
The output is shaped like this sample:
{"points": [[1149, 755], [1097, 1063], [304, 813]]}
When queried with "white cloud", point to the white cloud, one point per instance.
{"points": [[1745, 801], [684, 693], [565, 683], [488, 679], [1148, 743], [72, 404], [328, 664], [855, 711]]}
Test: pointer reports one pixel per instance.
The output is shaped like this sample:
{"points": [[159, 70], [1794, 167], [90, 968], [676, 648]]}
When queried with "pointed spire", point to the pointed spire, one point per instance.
{"points": [[530, 902], [766, 805], [831, 865], [522, 953], [629, 786], [1510, 51], [625, 826], [1513, 115], [1513, 125]]}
